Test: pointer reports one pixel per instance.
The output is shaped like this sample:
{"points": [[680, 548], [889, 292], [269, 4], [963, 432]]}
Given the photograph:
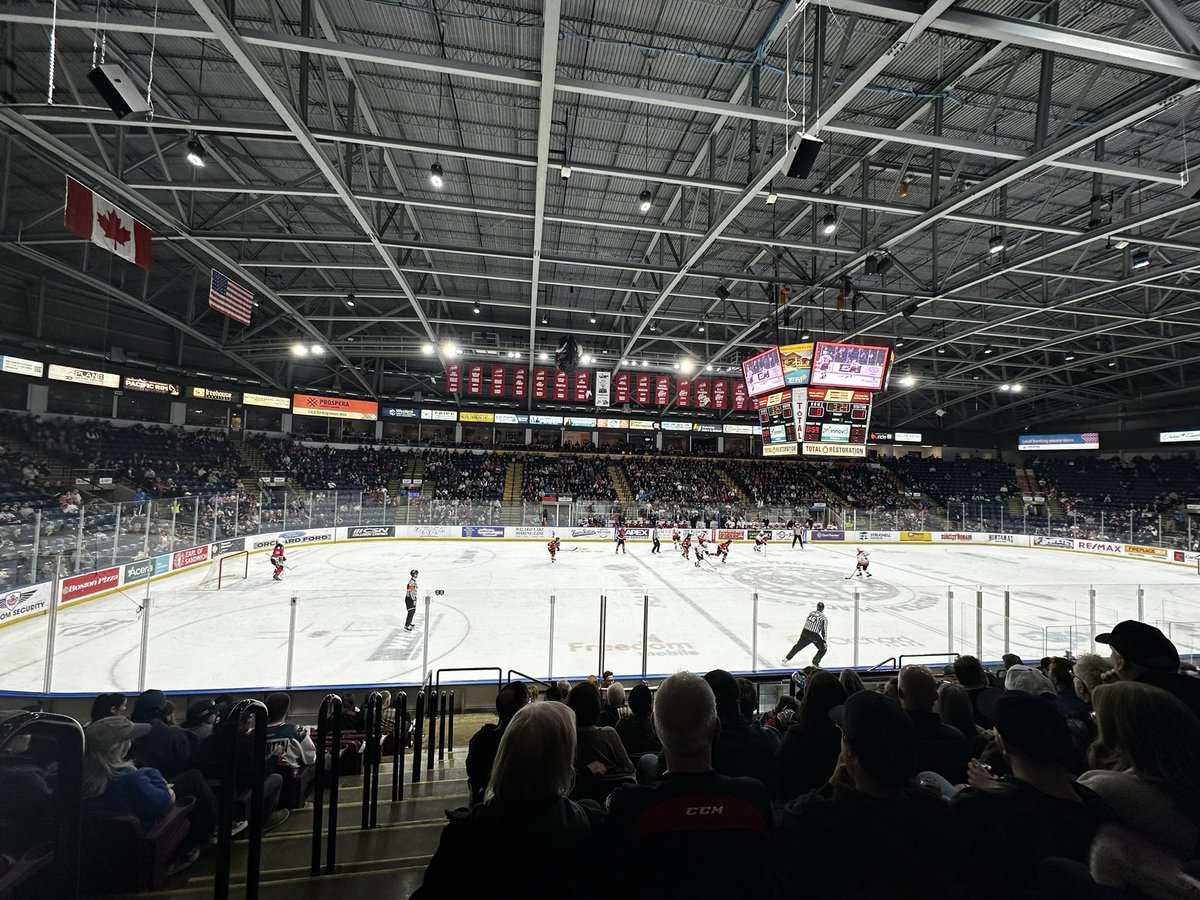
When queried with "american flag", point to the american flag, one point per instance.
{"points": [[229, 298]]}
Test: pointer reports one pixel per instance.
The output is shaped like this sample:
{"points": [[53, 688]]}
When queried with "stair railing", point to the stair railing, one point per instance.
{"points": [[329, 747], [235, 720]]}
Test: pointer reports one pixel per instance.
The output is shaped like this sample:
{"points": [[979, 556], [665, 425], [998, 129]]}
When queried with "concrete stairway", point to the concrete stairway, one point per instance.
{"points": [[620, 483]]}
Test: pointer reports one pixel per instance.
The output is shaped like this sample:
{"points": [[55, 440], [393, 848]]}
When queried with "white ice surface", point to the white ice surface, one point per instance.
{"points": [[496, 612]]}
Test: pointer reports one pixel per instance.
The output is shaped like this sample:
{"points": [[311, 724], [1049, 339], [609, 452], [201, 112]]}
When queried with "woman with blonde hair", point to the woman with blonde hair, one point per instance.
{"points": [[955, 709], [483, 850]]}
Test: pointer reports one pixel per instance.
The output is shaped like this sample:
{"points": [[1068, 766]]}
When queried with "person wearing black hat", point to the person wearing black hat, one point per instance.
{"points": [[165, 747], [1141, 652], [1038, 812], [410, 600], [201, 716], [870, 796]]}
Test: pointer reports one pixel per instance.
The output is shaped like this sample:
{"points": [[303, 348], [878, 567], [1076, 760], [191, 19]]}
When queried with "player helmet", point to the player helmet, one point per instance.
{"points": [[820, 607], [413, 572]]}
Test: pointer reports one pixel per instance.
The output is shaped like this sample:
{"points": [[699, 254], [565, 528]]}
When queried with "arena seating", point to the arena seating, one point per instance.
{"points": [[333, 468], [666, 480], [466, 475], [1140, 484], [956, 480], [581, 477]]}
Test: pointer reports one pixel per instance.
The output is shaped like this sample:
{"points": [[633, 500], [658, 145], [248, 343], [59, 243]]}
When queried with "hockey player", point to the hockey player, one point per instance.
{"points": [[410, 600], [760, 541], [277, 560], [554, 545], [620, 548], [862, 561], [723, 551], [686, 545], [675, 538]]}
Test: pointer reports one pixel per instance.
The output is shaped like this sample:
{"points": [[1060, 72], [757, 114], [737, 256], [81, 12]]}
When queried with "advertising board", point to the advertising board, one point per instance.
{"points": [[1152, 552], [916, 537], [360, 532], [189, 557], [25, 601], [483, 531], [79, 586]]}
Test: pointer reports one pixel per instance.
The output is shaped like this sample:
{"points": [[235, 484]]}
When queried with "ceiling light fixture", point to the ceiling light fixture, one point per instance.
{"points": [[708, 368], [1139, 260], [196, 153], [829, 224], [543, 356], [317, 350], [436, 176], [475, 308], [1069, 356], [427, 348], [299, 350], [772, 198], [987, 351], [908, 380], [1016, 388], [996, 244], [687, 366], [1006, 387], [565, 172], [449, 348], [645, 201], [902, 188]]}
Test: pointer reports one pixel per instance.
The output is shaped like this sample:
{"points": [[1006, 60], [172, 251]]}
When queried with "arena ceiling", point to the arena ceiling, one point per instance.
{"points": [[1059, 130]]}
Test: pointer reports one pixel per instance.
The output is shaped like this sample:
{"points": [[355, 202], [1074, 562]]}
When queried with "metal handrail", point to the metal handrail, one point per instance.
{"points": [[443, 702], [327, 734], [68, 791], [399, 739], [890, 659], [418, 736], [233, 723], [437, 683], [512, 672], [373, 736], [900, 661]]}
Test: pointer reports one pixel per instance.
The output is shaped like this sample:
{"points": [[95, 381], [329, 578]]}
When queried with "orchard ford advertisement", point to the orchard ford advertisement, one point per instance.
{"points": [[289, 538], [78, 586], [24, 602]]}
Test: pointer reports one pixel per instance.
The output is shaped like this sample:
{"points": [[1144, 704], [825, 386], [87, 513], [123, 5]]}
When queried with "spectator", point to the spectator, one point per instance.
{"points": [[290, 744], [352, 714], [1147, 766], [941, 748], [780, 719], [1030, 680], [661, 831], [865, 833], [741, 748], [851, 681], [26, 791], [1064, 686], [107, 705], [1039, 812], [747, 700], [954, 709], [809, 751], [114, 786], [1141, 652], [484, 851], [387, 712], [636, 730], [482, 748], [599, 750], [201, 716], [969, 672], [210, 760], [1086, 676], [614, 706], [167, 748]]}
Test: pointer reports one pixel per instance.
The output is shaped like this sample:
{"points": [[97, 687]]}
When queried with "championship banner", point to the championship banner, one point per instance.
{"points": [[701, 393], [454, 377], [541, 383], [641, 389], [498, 381], [621, 388], [603, 388], [520, 383], [662, 390], [475, 379], [562, 385], [583, 386], [720, 395], [741, 398], [683, 392]]}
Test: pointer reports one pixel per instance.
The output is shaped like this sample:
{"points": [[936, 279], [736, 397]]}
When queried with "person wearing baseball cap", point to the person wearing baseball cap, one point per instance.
{"points": [[869, 796], [1140, 652], [1039, 811]]}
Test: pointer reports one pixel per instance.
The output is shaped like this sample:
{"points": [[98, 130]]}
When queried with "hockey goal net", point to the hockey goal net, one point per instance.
{"points": [[226, 569]]}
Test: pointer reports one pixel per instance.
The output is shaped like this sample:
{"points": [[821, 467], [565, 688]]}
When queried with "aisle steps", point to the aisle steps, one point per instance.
{"points": [[620, 483]]}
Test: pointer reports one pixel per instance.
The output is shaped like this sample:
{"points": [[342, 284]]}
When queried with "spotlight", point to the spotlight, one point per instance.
{"points": [[1069, 356], [687, 366], [996, 244], [317, 350], [899, 343], [565, 172], [829, 224], [475, 308], [908, 381], [1006, 387], [588, 360], [436, 176], [645, 201], [700, 328], [458, 351], [676, 366], [350, 302], [653, 326], [543, 357], [545, 319], [592, 318], [195, 153], [708, 368], [449, 348], [1016, 388], [299, 350], [902, 188], [427, 348], [941, 351], [772, 198], [987, 351], [1139, 260], [1112, 363]]}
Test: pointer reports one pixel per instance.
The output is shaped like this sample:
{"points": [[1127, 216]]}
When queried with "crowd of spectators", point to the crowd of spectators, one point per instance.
{"points": [[466, 476], [582, 478], [322, 467], [1066, 778]]}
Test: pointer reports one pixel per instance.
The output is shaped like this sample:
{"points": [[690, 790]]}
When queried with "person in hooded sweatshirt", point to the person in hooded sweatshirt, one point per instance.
{"points": [[484, 850]]}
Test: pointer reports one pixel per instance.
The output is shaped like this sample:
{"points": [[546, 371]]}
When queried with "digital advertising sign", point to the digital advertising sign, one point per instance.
{"points": [[1089, 440], [849, 366], [763, 373]]}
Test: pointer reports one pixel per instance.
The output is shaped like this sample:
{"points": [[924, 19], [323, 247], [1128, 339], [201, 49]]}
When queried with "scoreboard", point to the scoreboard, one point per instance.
{"points": [[815, 422]]}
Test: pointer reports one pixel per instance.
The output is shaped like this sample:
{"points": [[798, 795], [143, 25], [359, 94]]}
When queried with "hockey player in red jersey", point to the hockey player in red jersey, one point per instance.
{"points": [[620, 548], [686, 544], [554, 545], [723, 551], [277, 560]]}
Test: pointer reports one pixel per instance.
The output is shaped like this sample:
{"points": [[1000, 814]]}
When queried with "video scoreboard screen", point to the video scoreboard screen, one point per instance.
{"points": [[814, 422], [763, 373], [854, 366], [836, 416], [778, 421]]}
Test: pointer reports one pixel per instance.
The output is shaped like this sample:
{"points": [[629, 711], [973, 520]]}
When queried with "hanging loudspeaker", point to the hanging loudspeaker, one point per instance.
{"points": [[568, 354], [118, 90], [806, 156]]}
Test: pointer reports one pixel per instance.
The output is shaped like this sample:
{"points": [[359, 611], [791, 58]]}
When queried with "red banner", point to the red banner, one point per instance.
{"points": [[583, 386], [562, 385], [541, 383], [497, 381], [683, 392], [520, 384], [701, 393], [474, 379], [662, 390], [621, 387], [741, 399], [641, 391], [720, 397], [454, 377], [82, 585]]}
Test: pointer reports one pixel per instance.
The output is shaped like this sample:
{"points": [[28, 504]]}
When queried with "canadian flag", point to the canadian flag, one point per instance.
{"points": [[95, 219]]}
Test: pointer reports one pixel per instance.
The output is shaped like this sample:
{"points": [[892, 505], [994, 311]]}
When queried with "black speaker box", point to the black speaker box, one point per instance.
{"points": [[118, 90], [806, 156]]}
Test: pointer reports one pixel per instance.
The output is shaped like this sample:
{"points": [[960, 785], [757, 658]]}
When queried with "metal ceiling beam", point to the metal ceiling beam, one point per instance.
{"points": [[1177, 24], [229, 38], [551, 14], [1023, 33]]}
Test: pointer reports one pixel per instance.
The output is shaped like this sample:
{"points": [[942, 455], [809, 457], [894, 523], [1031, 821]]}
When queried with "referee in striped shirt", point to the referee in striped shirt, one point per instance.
{"points": [[815, 629]]}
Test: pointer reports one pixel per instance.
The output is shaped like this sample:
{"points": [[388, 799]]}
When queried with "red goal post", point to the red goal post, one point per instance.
{"points": [[225, 568]]}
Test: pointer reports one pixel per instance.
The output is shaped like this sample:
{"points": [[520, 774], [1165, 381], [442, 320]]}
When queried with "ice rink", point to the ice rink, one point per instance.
{"points": [[496, 611]]}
